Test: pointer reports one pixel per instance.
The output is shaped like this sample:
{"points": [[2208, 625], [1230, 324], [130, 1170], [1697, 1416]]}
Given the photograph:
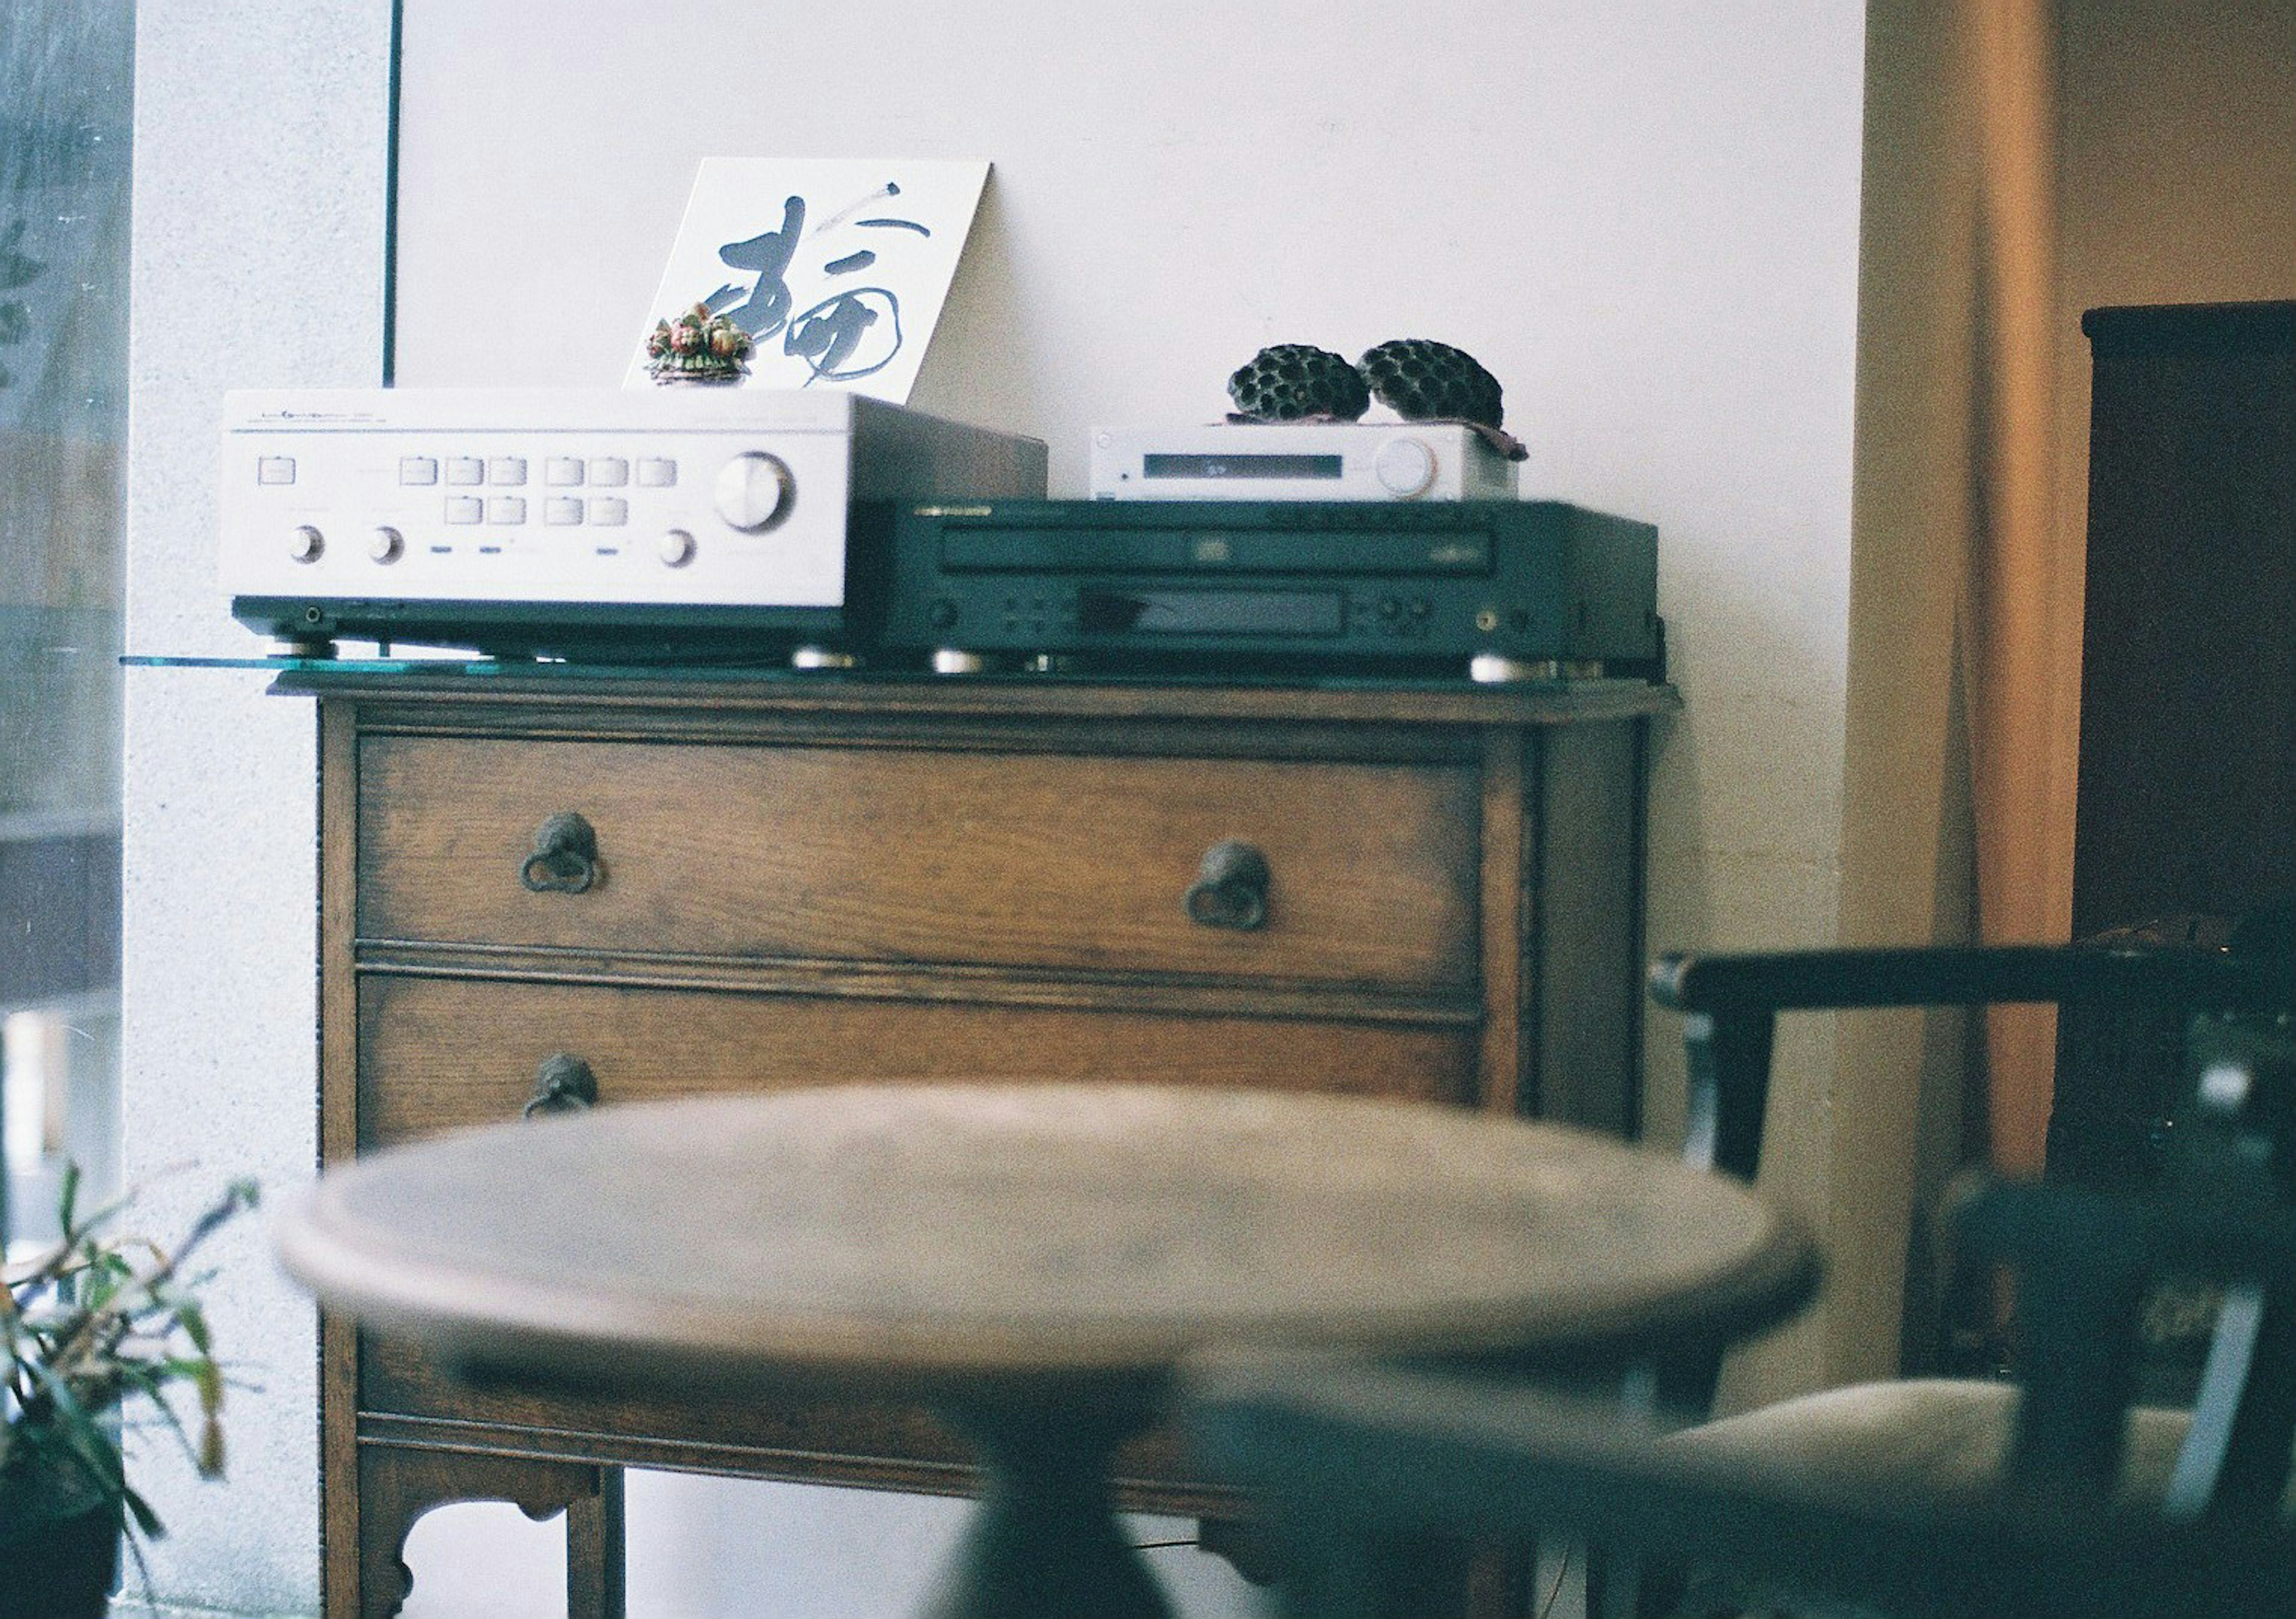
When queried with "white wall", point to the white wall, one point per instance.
{"points": [[1641, 215], [259, 250]]}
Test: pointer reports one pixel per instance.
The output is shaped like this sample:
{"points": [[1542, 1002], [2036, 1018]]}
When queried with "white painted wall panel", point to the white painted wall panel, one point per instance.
{"points": [[258, 259]]}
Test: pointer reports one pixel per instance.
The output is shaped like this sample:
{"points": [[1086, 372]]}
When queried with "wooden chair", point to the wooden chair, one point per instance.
{"points": [[2052, 1495]]}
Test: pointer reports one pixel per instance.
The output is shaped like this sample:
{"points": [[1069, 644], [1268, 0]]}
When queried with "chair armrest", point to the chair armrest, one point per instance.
{"points": [[1731, 1003], [1816, 980]]}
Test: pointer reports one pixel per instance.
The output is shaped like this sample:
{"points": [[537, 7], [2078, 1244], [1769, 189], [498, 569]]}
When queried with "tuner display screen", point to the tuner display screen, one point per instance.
{"points": [[1209, 612], [1327, 467]]}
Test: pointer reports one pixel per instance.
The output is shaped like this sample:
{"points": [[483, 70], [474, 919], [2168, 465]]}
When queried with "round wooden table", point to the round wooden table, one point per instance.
{"points": [[1032, 1260]]}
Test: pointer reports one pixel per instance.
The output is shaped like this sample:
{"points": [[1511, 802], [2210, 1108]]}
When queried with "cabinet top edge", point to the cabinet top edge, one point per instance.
{"points": [[1545, 703], [2145, 327]]}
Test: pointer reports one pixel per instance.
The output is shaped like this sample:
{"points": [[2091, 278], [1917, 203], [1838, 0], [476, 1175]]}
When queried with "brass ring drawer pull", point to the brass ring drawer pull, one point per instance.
{"points": [[1231, 888], [565, 858], [563, 1083]]}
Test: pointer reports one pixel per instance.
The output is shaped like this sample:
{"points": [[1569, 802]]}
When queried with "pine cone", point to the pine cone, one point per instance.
{"points": [[1418, 379], [1292, 381]]}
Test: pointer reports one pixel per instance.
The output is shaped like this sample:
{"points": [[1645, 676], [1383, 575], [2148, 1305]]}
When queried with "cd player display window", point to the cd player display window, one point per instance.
{"points": [[1330, 467], [1209, 612], [1193, 550]]}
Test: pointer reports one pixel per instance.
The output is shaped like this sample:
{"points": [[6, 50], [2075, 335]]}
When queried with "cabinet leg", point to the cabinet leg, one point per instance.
{"points": [[396, 1486], [597, 1585]]}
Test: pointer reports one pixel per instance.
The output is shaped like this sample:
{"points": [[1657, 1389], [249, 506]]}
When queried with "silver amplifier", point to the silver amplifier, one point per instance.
{"points": [[527, 520], [1302, 461]]}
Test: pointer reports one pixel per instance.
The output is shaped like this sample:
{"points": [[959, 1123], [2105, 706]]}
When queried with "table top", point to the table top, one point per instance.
{"points": [[901, 1234]]}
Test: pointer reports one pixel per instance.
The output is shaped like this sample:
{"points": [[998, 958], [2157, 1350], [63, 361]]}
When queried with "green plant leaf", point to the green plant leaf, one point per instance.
{"points": [[146, 1520]]}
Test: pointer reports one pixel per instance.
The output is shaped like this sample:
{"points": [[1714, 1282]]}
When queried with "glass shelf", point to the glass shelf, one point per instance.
{"points": [[475, 668]]}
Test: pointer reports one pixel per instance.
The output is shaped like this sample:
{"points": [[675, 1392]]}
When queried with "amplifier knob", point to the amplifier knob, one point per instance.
{"points": [[306, 544], [754, 490], [676, 547], [1404, 467], [386, 545]]}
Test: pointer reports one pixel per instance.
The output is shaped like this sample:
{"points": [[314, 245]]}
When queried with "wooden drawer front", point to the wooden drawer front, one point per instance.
{"points": [[439, 1054], [1019, 860]]}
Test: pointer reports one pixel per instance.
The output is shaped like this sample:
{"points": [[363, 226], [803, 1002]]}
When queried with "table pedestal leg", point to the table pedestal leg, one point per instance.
{"points": [[1044, 1542]]}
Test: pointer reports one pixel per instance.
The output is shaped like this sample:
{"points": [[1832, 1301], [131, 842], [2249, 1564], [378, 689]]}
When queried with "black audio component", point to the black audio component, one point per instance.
{"points": [[1511, 589]]}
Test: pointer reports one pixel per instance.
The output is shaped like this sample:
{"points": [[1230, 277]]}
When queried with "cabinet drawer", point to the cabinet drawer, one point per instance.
{"points": [[899, 854], [438, 1053]]}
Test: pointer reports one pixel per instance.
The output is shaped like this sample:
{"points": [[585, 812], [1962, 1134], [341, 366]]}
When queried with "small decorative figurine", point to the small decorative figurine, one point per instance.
{"points": [[697, 346]]}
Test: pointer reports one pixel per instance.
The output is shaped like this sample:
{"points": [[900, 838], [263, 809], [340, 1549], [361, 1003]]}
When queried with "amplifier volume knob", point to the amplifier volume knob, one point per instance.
{"points": [[754, 490], [1404, 467], [307, 543], [676, 547], [386, 545]]}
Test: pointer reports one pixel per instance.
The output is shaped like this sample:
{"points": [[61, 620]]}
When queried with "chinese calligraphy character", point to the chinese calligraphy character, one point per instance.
{"points": [[849, 334]]}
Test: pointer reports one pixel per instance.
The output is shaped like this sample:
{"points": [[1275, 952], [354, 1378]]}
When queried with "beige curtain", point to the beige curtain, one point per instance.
{"points": [[1960, 764]]}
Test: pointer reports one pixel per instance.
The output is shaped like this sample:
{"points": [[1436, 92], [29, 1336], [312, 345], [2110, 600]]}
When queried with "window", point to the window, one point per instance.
{"points": [[65, 105]]}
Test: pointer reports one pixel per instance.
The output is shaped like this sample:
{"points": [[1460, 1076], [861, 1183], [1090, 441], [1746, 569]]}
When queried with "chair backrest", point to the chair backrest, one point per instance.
{"points": [[1730, 1003]]}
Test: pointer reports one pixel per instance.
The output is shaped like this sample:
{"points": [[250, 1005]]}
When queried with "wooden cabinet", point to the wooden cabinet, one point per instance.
{"points": [[788, 880]]}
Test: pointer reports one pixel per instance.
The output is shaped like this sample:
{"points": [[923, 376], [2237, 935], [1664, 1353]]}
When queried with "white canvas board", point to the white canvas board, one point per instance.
{"points": [[837, 268]]}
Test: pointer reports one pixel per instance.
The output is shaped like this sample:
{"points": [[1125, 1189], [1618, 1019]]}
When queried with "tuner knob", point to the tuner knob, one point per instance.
{"points": [[1404, 467], [754, 490], [676, 547], [306, 544], [386, 545]]}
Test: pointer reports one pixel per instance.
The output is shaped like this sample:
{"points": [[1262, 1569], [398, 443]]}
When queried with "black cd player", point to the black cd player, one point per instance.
{"points": [[1510, 589]]}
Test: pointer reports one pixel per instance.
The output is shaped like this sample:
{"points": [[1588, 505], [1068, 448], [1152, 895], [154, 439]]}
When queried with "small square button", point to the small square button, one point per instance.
{"points": [[505, 510], [609, 510], [563, 472], [274, 470], [657, 472], [418, 469], [610, 472], [465, 509], [509, 471], [466, 470], [562, 510]]}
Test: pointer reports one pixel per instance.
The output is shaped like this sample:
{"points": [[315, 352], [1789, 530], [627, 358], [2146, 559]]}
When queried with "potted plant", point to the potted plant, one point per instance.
{"points": [[98, 1330]]}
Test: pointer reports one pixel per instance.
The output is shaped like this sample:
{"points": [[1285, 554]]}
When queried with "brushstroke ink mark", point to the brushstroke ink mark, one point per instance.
{"points": [[846, 336], [888, 188], [829, 336], [767, 306]]}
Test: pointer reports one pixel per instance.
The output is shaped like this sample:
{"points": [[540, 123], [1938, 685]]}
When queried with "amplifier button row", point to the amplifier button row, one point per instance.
{"points": [[506, 472]]}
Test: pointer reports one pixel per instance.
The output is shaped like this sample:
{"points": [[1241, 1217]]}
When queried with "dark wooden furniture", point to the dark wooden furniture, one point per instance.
{"points": [[2055, 1495], [2188, 672], [1033, 1261], [541, 888], [2186, 822]]}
